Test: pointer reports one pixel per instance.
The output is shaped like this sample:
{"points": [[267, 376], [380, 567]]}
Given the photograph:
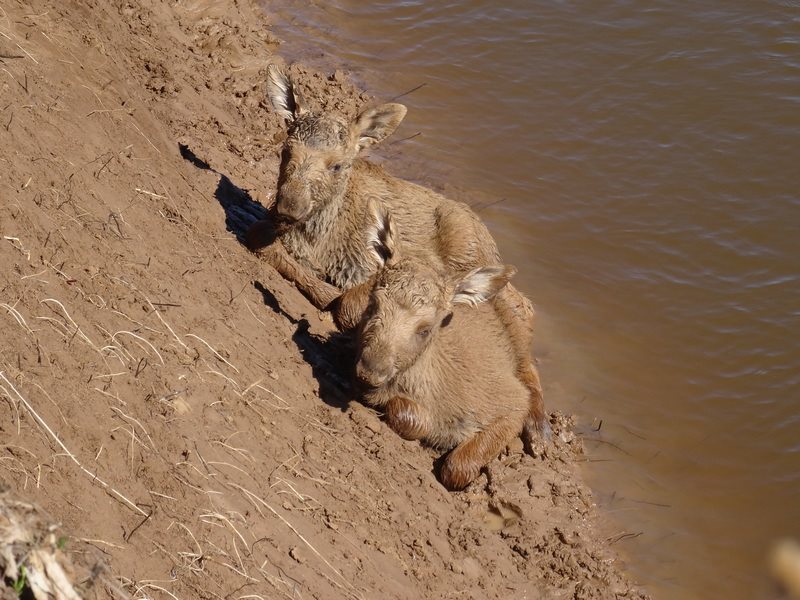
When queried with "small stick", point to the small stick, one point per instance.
{"points": [[91, 541], [29, 55], [162, 495], [145, 192], [141, 366], [144, 136], [412, 90], [217, 354], [128, 537]]}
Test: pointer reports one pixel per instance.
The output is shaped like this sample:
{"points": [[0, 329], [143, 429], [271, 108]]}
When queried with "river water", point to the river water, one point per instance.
{"points": [[640, 164]]}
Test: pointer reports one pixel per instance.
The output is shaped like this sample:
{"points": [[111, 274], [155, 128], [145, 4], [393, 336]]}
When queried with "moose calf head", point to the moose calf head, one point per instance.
{"points": [[320, 147], [411, 301]]}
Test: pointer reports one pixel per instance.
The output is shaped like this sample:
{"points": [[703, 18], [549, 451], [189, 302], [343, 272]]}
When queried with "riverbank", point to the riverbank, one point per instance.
{"points": [[178, 408]]}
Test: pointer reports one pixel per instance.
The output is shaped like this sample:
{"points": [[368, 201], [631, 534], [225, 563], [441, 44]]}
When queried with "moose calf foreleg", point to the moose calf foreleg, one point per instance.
{"points": [[407, 418], [320, 293], [263, 238], [464, 463]]}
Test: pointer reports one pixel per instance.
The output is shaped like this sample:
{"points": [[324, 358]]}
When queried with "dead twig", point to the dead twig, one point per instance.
{"points": [[411, 91]]}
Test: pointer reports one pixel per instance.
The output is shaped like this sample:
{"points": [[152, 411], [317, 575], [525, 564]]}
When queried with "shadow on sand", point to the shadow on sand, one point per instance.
{"points": [[332, 357], [241, 211]]}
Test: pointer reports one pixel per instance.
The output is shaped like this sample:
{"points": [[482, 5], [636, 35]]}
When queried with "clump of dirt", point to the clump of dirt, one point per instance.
{"points": [[181, 410]]}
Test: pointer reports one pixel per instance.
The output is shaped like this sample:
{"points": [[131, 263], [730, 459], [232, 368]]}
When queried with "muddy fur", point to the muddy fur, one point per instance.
{"points": [[324, 199], [436, 357]]}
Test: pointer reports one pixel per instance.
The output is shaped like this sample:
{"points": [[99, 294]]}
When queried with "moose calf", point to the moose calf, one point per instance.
{"points": [[435, 356]]}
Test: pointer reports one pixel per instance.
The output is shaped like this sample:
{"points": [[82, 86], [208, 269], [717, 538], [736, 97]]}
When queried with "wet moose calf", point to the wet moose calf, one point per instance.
{"points": [[434, 355]]}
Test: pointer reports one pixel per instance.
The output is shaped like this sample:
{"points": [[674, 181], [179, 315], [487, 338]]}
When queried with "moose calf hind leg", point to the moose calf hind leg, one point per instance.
{"points": [[537, 426], [517, 314]]}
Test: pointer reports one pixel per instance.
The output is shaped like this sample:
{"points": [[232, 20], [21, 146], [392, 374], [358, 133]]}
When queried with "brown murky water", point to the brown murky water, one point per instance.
{"points": [[647, 161]]}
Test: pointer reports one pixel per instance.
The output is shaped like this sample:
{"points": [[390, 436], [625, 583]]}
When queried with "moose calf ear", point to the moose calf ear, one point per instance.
{"points": [[285, 100], [376, 124], [482, 284], [382, 235]]}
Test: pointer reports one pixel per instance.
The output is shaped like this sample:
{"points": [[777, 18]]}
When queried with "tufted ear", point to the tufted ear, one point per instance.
{"points": [[482, 284], [381, 235], [286, 101], [376, 124]]}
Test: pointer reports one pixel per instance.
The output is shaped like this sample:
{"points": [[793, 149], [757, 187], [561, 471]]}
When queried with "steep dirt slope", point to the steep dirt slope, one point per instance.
{"points": [[177, 407]]}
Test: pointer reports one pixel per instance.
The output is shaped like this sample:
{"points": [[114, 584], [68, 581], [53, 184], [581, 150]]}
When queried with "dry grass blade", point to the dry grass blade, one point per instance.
{"points": [[18, 317], [136, 421], [66, 314], [214, 352], [55, 437], [138, 337], [255, 499]]}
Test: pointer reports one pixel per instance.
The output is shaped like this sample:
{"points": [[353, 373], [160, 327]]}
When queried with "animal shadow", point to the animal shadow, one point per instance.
{"points": [[241, 211], [331, 357]]}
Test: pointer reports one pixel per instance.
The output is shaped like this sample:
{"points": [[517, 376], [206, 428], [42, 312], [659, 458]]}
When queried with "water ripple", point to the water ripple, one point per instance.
{"points": [[647, 161]]}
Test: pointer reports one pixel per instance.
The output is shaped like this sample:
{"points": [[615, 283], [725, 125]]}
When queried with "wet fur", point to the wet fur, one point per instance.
{"points": [[456, 390], [327, 249]]}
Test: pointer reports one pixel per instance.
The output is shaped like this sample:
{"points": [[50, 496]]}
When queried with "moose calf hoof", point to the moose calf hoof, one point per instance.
{"points": [[259, 235], [345, 316], [536, 435], [456, 473]]}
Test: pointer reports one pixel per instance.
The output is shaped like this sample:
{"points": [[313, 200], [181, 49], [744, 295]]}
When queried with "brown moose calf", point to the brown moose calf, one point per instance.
{"points": [[437, 358]]}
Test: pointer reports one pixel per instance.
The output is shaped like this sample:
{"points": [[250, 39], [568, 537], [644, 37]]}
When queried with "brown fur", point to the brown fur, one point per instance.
{"points": [[442, 370], [324, 199]]}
